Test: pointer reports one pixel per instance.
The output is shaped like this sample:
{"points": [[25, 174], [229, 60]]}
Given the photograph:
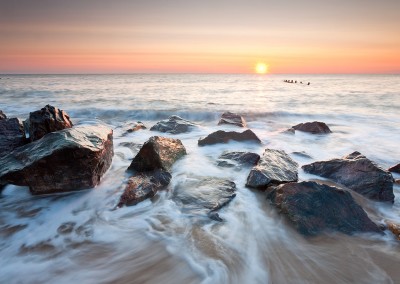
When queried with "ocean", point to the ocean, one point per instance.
{"points": [[79, 237]]}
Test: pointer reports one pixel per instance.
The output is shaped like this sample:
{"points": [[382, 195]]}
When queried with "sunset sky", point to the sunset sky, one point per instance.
{"points": [[219, 36]]}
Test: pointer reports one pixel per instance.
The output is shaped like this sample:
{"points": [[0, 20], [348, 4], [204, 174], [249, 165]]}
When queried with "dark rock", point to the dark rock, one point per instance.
{"points": [[158, 153], [314, 208], [204, 196], [66, 160], [397, 181], [174, 125], [395, 169], [314, 127], [143, 186], [232, 118], [66, 228], [2, 115], [46, 120], [358, 173], [11, 135], [238, 158], [221, 136], [275, 167]]}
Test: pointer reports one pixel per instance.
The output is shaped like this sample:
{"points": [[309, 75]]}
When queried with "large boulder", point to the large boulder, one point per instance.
{"points": [[143, 186], [275, 167], [46, 120], [234, 159], [158, 153], [221, 136], [11, 135], [204, 195], [314, 127], [2, 115], [395, 169], [66, 160], [232, 118], [358, 173], [174, 125], [314, 208]]}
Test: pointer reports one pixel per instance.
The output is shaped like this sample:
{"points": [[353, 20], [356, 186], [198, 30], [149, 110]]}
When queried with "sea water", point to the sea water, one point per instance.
{"points": [[79, 237]]}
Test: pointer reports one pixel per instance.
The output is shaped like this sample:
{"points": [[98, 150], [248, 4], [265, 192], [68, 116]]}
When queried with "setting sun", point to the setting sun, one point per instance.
{"points": [[261, 68]]}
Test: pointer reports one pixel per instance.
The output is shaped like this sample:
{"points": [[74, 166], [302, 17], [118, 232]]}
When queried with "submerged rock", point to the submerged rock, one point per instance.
{"points": [[204, 195], [2, 115], [314, 127], [11, 135], [133, 127], [302, 154], [395, 169], [232, 118], [174, 125], [358, 173], [314, 208], [143, 186], [275, 167], [48, 119], [158, 153], [66, 160], [231, 159], [221, 136]]}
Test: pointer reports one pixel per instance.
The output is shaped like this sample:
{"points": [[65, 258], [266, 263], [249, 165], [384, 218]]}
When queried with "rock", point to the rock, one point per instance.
{"points": [[46, 120], [66, 160], [314, 127], [2, 115], [232, 118], [174, 125], [221, 136], [358, 173], [302, 154], [394, 228], [314, 208], [11, 135], [204, 195], [238, 158], [158, 153], [143, 186], [275, 167], [395, 169], [397, 181], [133, 127]]}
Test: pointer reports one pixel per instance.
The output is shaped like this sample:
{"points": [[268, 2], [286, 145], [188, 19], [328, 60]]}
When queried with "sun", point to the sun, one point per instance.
{"points": [[261, 68]]}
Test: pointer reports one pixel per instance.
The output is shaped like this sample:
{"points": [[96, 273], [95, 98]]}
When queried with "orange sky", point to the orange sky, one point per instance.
{"points": [[155, 36]]}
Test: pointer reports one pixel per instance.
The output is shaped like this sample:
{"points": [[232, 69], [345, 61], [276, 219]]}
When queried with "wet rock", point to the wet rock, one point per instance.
{"points": [[66, 160], [302, 154], [11, 135], [314, 208], [46, 120], [221, 136], [204, 195], [394, 228], [174, 125], [314, 127], [66, 228], [395, 169], [275, 167], [133, 127], [397, 181], [2, 115], [158, 153], [358, 173], [232, 118], [232, 159], [143, 186]]}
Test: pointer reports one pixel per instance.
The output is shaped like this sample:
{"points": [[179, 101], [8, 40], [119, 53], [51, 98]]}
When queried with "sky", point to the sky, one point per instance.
{"points": [[193, 36]]}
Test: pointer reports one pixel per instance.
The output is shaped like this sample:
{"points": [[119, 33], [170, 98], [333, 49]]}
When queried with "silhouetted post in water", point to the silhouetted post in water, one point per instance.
{"points": [[301, 82], [308, 83], [295, 81]]}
